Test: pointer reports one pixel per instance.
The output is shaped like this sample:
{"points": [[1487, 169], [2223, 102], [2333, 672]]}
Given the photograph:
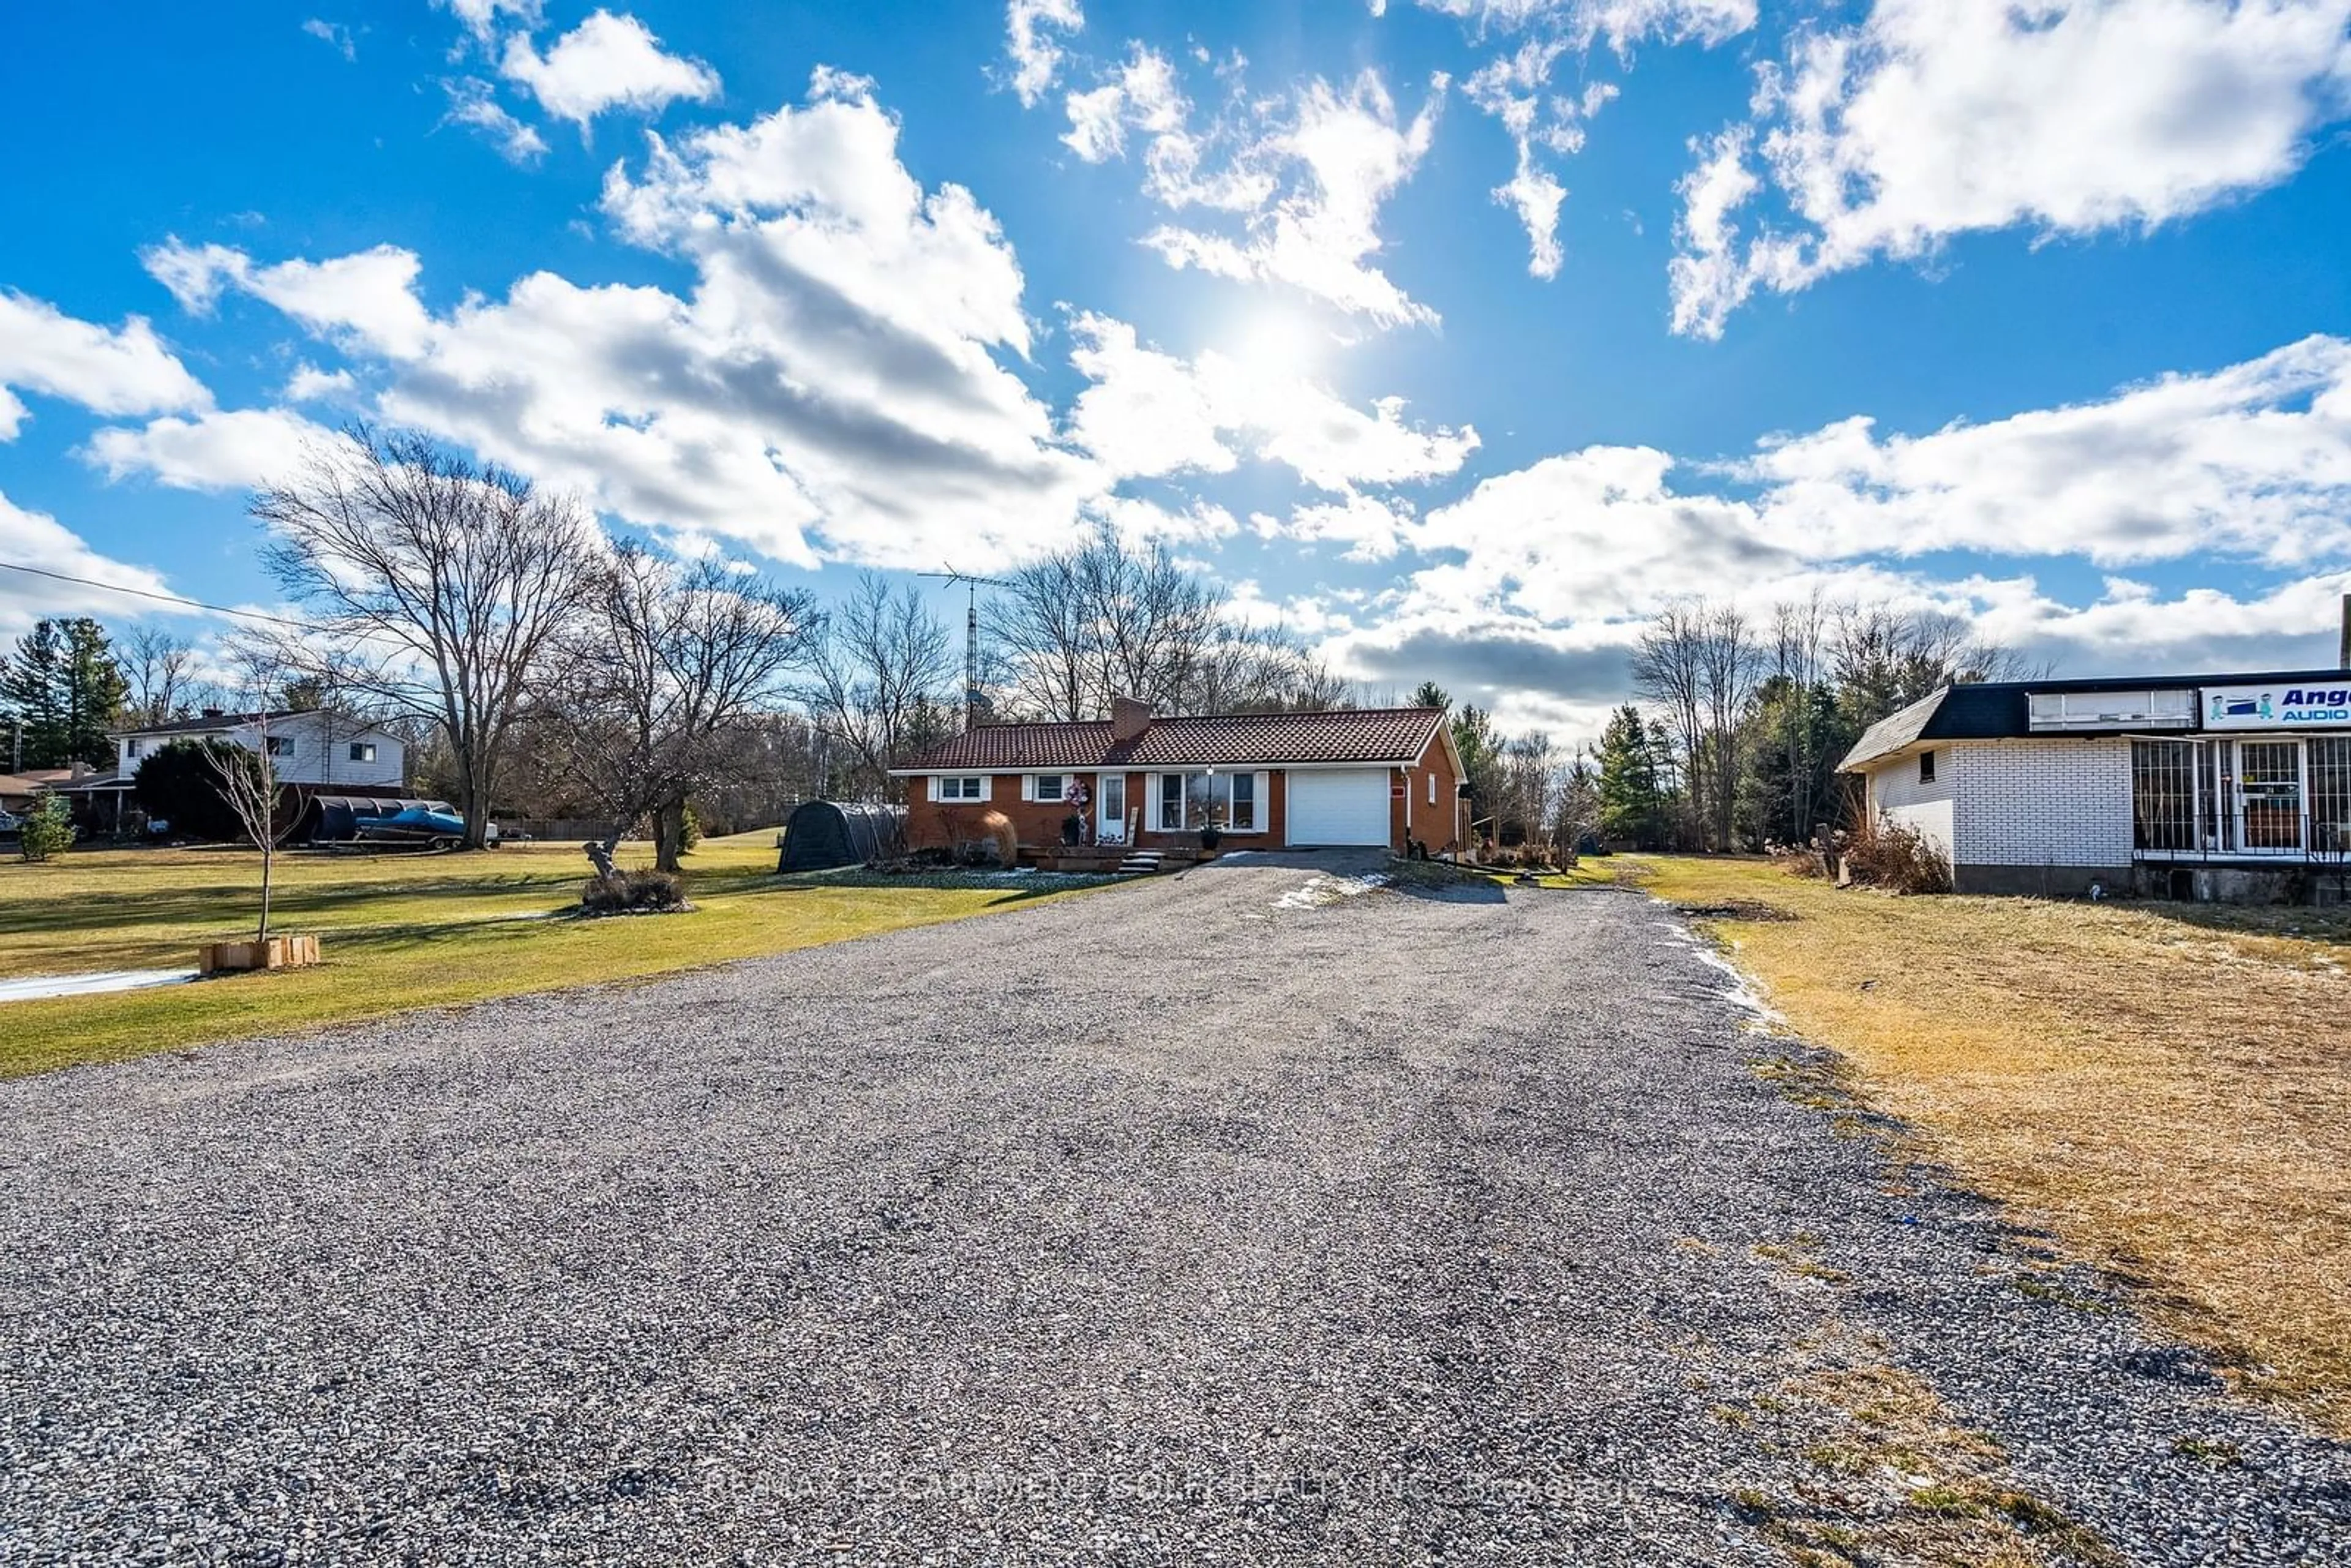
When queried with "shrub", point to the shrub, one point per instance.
{"points": [[634, 892], [179, 784], [988, 838], [1897, 857], [47, 829]]}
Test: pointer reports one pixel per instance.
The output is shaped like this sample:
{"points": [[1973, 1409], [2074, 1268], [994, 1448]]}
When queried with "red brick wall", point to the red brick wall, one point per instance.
{"points": [[933, 824], [1438, 826]]}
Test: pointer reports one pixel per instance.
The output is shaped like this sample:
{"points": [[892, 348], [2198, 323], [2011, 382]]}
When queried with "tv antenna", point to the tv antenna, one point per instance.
{"points": [[973, 582]]}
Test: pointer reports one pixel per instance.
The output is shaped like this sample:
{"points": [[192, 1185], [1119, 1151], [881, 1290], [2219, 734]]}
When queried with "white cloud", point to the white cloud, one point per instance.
{"points": [[1534, 585], [1035, 52], [1933, 118], [365, 300], [1372, 528], [118, 371], [1142, 94], [480, 16], [2252, 461], [828, 389], [1311, 184], [473, 104], [606, 62], [1514, 87], [309, 383], [1149, 413], [1510, 89], [1621, 23], [334, 35], [233, 449], [37, 539]]}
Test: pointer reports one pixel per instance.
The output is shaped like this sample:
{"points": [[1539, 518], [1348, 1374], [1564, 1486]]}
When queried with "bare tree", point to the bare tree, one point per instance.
{"points": [[438, 585], [1798, 630], [248, 779], [1107, 620], [1884, 657], [1728, 664], [659, 671], [876, 671], [1669, 670], [1041, 634], [159, 669]]}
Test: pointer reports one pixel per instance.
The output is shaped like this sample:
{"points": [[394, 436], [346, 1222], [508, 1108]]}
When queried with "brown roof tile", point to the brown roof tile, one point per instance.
{"points": [[1254, 739]]}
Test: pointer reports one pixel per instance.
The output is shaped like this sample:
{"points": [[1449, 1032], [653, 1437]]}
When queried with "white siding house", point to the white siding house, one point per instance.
{"points": [[317, 749]]}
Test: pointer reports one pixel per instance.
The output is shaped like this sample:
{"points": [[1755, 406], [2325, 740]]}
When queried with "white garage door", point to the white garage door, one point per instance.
{"points": [[1349, 807]]}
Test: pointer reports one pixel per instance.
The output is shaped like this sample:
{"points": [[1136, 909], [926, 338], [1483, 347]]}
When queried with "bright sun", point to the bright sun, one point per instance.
{"points": [[1275, 345]]}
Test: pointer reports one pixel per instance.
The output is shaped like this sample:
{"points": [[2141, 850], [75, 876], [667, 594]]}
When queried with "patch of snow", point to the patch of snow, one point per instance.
{"points": [[1324, 891], [37, 987]]}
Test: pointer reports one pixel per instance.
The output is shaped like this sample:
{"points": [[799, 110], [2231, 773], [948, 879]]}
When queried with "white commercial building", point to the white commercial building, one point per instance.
{"points": [[2235, 786]]}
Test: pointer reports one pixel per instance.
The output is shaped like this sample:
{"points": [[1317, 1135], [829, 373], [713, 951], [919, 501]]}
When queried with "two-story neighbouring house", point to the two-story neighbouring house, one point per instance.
{"points": [[317, 750]]}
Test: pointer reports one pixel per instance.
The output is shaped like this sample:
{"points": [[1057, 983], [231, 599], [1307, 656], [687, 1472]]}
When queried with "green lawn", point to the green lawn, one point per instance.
{"points": [[400, 932]]}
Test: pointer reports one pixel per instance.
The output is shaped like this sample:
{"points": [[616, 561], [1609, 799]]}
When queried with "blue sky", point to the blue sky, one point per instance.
{"points": [[1457, 334]]}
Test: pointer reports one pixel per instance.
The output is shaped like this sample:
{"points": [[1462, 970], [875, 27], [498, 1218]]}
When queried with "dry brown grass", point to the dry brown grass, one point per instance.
{"points": [[1890, 1477], [2167, 1087]]}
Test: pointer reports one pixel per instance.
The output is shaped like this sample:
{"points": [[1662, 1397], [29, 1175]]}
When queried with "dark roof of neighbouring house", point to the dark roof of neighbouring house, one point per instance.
{"points": [[1226, 740], [205, 723], [2001, 710]]}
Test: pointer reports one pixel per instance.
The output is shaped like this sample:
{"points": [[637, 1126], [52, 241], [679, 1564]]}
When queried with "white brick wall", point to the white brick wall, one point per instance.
{"points": [[2058, 800], [1896, 793]]}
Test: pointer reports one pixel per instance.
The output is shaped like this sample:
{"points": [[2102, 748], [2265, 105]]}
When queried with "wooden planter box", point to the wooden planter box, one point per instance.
{"points": [[274, 953]]}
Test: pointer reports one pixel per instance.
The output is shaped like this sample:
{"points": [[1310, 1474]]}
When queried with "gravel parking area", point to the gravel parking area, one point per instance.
{"points": [[1189, 1221]]}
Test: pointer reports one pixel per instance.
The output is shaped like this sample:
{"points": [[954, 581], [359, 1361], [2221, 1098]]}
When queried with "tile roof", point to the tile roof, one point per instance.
{"points": [[1229, 739]]}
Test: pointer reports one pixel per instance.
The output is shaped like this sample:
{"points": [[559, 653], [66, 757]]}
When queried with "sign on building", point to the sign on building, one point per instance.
{"points": [[2284, 705]]}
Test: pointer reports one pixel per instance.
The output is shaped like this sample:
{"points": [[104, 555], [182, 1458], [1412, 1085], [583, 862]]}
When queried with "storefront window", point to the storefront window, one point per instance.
{"points": [[2163, 794]]}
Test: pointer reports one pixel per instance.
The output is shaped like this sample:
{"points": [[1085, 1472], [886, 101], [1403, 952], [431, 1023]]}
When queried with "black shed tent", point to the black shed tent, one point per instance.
{"points": [[823, 834]]}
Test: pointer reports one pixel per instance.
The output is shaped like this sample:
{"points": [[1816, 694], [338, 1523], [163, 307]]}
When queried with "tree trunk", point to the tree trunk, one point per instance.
{"points": [[669, 836], [475, 805]]}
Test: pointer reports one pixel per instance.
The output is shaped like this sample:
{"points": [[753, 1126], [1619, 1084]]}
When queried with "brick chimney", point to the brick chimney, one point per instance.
{"points": [[1129, 718]]}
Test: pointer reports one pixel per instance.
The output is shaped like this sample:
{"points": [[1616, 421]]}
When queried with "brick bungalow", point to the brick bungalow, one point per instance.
{"points": [[1270, 780]]}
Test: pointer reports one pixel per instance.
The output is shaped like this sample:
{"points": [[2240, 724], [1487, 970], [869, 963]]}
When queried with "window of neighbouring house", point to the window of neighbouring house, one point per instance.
{"points": [[972, 788], [131, 747], [363, 751], [280, 745], [1926, 767]]}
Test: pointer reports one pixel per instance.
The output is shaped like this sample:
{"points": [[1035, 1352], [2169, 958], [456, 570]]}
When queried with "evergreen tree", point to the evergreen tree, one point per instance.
{"points": [[1481, 746], [32, 692], [65, 691], [1633, 803], [1430, 695], [95, 694]]}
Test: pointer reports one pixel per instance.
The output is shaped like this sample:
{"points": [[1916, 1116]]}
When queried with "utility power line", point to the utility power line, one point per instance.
{"points": [[160, 598]]}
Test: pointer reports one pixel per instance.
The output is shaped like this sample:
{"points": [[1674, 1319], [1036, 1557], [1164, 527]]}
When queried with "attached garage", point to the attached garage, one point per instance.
{"points": [[1341, 806]]}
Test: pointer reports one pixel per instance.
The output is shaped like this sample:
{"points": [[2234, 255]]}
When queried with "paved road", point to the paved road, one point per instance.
{"points": [[1191, 1221]]}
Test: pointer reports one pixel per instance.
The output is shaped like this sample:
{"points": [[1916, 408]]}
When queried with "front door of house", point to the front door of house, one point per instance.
{"points": [[1109, 809]]}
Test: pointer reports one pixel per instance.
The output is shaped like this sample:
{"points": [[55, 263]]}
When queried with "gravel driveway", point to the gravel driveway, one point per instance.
{"points": [[1216, 1219]]}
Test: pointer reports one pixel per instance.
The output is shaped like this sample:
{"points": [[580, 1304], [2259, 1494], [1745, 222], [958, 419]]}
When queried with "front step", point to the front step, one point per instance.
{"points": [[1142, 862]]}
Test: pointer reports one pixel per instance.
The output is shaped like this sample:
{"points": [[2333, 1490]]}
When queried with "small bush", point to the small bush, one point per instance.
{"points": [[1899, 857], [633, 892], [988, 838], [47, 829]]}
